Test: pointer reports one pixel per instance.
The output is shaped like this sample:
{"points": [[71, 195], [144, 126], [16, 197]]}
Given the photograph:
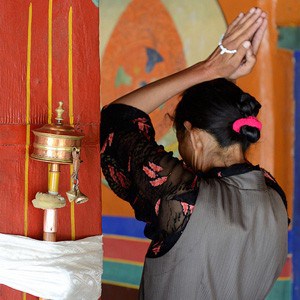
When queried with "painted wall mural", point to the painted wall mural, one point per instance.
{"points": [[141, 41]]}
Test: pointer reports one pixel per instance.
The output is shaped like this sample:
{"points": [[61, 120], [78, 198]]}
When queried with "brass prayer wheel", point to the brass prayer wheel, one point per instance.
{"points": [[54, 143]]}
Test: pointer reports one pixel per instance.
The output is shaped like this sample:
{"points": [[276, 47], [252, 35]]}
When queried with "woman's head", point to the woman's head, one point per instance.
{"points": [[211, 108]]}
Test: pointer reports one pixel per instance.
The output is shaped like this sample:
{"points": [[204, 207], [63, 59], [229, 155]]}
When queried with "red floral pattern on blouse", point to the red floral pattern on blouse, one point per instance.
{"points": [[157, 206]]}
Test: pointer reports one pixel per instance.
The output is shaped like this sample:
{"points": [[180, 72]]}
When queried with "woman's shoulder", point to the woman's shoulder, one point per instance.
{"points": [[123, 111]]}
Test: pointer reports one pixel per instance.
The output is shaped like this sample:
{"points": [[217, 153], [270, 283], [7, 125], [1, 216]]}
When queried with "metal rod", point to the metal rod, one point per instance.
{"points": [[50, 225], [50, 215]]}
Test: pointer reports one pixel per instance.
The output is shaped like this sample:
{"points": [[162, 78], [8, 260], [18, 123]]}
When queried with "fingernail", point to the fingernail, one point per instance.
{"points": [[252, 10], [241, 14], [246, 44], [258, 11]]}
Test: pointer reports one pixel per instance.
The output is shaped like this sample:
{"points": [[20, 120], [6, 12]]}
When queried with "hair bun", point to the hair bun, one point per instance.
{"points": [[252, 134], [248, 105]]}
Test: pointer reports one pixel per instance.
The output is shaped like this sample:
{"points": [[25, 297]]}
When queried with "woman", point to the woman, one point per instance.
{"points": [[218, 224]]}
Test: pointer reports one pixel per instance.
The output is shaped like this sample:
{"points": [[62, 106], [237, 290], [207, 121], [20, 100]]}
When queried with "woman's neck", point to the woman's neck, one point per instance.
{"points": [[222, 158]]}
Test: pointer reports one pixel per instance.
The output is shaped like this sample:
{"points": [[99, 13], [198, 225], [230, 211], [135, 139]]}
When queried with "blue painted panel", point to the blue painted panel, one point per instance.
{"points": [[296, 211], [123, 226], [290, 242]]}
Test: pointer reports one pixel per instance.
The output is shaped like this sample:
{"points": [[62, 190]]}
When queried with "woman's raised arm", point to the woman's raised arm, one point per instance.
{"points": [[239, 35]]}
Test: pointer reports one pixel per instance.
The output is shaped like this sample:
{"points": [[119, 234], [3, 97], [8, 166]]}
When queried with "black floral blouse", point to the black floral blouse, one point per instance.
{"points": [[159, 187]]}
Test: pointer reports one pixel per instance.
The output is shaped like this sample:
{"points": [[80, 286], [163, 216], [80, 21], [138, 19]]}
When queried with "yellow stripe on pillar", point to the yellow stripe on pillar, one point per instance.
{"points": [[28, 68], [71, 110], [50, 10], [70, 65], [50, 13]]}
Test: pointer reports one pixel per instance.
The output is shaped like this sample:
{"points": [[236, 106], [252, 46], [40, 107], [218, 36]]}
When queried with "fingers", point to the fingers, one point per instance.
{"points": [[245, 35], [242, 20], [244, 28], [241, 17], [247, 65], [258, 36], [254, 12], [239, 35], [263, 15], [235, 22], [249, 32], [257, 17], [238, 58], [250, 59], [247, 29]]}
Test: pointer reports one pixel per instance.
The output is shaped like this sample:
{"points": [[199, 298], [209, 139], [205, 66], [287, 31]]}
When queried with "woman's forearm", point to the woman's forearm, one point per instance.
{"points": [[151, 96]]}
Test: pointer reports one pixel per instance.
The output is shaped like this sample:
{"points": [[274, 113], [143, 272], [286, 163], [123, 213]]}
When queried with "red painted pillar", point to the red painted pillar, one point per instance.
{"points": [[49, 52]]}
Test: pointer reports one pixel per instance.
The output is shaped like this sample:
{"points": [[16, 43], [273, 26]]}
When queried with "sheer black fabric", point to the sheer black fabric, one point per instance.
{"points": [[161, 190]]}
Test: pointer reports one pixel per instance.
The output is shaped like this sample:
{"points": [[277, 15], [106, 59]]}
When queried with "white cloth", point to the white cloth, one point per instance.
{"points": [[60, 271]]}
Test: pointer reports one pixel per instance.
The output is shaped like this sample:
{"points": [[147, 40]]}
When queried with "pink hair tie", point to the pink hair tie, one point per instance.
{"points": [[249, 121]]}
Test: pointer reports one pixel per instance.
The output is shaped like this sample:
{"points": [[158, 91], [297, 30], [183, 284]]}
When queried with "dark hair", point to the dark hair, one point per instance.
{"points": [[214, 106]]}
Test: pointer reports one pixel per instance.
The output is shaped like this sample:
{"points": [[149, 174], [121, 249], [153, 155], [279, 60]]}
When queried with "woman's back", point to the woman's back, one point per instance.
{"points": [[235, 241]]}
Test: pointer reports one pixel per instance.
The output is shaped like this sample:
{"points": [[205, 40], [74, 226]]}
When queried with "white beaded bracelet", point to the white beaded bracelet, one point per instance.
{"points": [[223, 49]]}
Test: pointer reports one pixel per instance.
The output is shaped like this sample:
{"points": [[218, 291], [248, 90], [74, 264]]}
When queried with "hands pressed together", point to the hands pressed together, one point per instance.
{"points": [[244, 34]]}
